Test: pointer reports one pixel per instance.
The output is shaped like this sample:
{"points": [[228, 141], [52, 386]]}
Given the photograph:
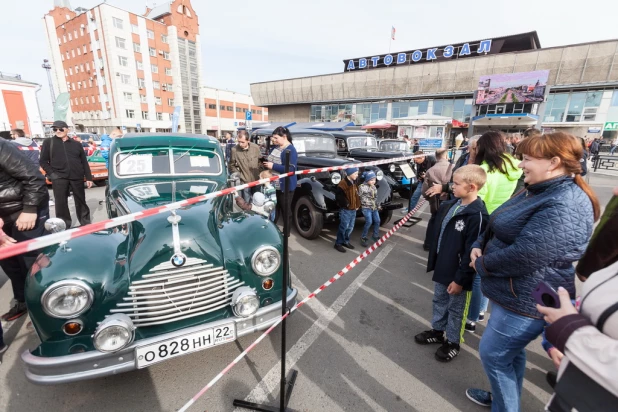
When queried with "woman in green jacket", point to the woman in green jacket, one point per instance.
{"points": [[502, 175]]}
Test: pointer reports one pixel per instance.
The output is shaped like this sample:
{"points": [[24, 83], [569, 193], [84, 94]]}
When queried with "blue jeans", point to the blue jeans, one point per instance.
{"points": [[479, 302], [503, 354], [346, 224], [415, 197], [371, 217], [612, 150]]}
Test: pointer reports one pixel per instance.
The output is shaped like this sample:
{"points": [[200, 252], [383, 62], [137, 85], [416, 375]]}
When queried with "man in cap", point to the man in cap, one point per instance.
{"points": [[64, 162]]}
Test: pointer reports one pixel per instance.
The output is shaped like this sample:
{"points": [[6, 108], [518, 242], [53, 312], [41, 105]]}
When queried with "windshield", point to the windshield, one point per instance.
{"points": [[394, 146], [156, 161], [308, 144], [362, 142]]}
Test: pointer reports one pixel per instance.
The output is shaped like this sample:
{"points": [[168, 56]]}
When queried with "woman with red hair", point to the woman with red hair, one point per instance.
{"points": [[535, 236]]}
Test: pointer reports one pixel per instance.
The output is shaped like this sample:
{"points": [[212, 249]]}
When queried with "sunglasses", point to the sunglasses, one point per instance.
{"points": [[58, 129]]}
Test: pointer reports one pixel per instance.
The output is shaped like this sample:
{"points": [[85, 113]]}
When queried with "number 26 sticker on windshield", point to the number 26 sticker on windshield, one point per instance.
{"points": [[134, 164]]}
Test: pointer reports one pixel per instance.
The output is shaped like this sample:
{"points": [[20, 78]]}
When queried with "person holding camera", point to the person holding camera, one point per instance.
{"points": [[64, 162], [535, 236]]}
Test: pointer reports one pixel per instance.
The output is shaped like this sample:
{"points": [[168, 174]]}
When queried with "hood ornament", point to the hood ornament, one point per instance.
{"points": [[179, 258]]}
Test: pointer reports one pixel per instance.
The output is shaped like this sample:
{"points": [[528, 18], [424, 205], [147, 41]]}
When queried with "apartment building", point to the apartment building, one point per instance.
{"points": [[125, 69], [226, 111]]}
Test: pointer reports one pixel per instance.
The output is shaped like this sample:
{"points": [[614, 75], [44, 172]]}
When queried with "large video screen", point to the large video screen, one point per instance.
{"points": [[524, 87]]}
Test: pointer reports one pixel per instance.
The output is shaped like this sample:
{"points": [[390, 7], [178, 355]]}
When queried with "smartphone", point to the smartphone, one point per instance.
{"points": [[545, 295]]}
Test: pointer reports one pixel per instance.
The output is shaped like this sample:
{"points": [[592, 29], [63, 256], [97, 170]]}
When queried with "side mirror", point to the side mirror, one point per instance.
{"points": [[55, 225], [269, 207]]}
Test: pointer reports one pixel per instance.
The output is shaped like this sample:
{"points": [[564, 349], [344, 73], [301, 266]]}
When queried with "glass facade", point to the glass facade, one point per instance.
{"points": [[409, 108], [573, 107], [457, 109]]}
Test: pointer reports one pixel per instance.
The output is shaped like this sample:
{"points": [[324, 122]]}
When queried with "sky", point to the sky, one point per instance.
{"points": [[245, 41]]}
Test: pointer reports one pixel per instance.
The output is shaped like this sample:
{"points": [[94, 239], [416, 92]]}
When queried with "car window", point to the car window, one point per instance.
{"points": [[196, 162], [142, 162], [308, 144], [362, 142], [341, 144]]}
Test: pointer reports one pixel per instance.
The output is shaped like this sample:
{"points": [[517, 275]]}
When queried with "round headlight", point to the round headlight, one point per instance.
{"points": [[114, 333], [379, 175], [392, 168], [245, 302], [266, 260], [67, 299], [335, 178]]}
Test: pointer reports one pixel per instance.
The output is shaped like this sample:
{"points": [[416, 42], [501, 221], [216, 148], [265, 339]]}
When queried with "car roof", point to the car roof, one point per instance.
{"points": [[269, 131], [351, 134], [167, 139], [391, 140]]}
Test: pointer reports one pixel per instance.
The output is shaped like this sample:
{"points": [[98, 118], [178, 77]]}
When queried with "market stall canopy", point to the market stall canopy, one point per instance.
{"points": [[511, 119], [458, 124], [423, 120], [325, 126], [380, 124]]}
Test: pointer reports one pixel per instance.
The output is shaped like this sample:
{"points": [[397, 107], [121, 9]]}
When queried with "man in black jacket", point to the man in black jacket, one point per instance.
{"points": [[24, 209], [65, 164]]}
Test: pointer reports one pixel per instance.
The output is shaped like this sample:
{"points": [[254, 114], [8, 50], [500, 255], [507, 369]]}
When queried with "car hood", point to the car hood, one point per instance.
{"points": [[322, 160], [375, 154], [152, 241]]}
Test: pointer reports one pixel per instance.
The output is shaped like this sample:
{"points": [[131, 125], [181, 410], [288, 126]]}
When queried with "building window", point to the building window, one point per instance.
{"points": [[128, 97], [62, 55], [229, 108], [141, 83], [158, 101], [137, 48], [145, 115], [152, 51], [73, 52], [143, 99], [212, 106], [221, 107], [168, 71], [70, 37], [75, 34], [150, 34], [79, 51], [68, 55], [159, 116], [154, 68], [123, 61], [87, 100], [238, 110], [125, 79], [117, 23], [84, 49], [90, 82], [166, 55], [170, 102], [130, 113], [156, 85], [135, 28], [64, 38], [71, 71], [164, 38], [120, 43], [102, 80], [139, 64], [87, 66]]}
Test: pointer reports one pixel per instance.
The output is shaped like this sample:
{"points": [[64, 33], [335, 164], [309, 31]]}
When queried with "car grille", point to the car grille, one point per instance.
{"points": [[168, 293]]}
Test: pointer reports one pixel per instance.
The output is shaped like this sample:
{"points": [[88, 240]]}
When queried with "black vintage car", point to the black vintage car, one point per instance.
{"points": [[314, 197], [364, 147]]}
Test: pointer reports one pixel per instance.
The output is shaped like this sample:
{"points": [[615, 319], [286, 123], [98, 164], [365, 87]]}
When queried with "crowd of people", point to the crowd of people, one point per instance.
{"points": [[512, 213]]}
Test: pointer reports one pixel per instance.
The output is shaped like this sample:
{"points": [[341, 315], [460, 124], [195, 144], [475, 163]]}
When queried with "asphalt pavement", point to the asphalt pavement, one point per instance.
{"points": [[353, 346]]}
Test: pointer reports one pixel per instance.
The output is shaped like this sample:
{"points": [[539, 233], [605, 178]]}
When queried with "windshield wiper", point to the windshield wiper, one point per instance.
{"points": [[184, 154], [128, 155]]}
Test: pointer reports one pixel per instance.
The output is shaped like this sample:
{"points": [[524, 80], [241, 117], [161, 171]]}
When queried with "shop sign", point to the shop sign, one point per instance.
{"points": [[594, 130], [611, 126], [430, 143], [419, 55]]}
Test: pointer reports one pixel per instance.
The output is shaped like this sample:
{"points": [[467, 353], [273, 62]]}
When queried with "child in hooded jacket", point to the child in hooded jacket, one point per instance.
{"points": [[368, 193]]}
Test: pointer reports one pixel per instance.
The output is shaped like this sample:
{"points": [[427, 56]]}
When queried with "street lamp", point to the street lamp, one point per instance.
{"points": [[48, 67]]}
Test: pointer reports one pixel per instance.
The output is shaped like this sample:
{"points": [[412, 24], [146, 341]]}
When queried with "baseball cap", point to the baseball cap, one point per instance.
{"points": [[60, 123]]}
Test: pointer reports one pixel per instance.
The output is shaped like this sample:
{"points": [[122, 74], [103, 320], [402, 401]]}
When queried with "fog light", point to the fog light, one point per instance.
{"points": [[268, 284], [245, 302], [73, 327], [114, 333]]}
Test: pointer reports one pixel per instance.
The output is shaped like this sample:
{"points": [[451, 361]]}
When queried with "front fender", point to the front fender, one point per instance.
{"points": [[317, 192]]}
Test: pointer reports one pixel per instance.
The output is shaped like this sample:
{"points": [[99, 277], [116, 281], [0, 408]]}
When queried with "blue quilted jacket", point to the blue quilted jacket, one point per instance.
{"points": [[534, 236]]}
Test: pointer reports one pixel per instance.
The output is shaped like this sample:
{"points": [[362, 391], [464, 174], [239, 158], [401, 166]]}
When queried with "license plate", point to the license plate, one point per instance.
{"points": [[182, 345], [101, 175]]}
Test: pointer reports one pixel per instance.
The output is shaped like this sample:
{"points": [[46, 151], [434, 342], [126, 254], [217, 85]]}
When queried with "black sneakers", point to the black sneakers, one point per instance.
{"points": [[447, 352], [340, 248], [18, 309], [470, 326], [429, 336], [364, 241], [348, 245]]}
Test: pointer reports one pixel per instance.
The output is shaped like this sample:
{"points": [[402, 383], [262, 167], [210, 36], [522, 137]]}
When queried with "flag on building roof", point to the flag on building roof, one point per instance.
{"points": [[393, 32]]}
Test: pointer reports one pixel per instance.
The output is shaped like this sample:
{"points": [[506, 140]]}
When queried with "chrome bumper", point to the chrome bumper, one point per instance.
{"points": [[94, 364]]}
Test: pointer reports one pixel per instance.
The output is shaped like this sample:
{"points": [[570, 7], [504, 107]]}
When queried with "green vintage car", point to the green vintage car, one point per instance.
{"points": [[163, 286]]}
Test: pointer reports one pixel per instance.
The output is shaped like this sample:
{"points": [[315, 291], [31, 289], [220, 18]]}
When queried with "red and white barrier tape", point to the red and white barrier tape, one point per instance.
{"points": [[56, 238], [326, 284], [28, 148]]}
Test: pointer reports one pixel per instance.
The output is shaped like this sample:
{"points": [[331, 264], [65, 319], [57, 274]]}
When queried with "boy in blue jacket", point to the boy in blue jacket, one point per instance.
{"points": [[459, 222]]}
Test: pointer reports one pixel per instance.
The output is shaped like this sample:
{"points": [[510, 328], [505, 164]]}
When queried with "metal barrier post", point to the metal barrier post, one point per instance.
{"points": [[286, 385]]}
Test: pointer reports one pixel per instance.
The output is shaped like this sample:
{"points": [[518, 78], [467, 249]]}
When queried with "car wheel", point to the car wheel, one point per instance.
{"points": [[307, 218], [385, 216]]}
